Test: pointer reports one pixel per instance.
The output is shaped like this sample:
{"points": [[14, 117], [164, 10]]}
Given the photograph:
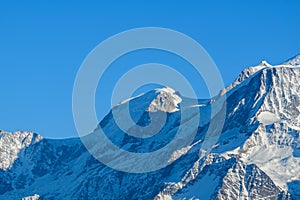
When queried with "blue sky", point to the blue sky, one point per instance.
{"points": [[43, 43]]}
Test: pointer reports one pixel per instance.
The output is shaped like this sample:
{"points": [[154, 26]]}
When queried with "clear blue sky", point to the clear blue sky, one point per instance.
{"points": [[42, 44]]}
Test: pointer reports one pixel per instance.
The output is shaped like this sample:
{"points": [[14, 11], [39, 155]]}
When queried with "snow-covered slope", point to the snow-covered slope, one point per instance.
{"points": [[256, 157], [12, 143], [295, 61]]}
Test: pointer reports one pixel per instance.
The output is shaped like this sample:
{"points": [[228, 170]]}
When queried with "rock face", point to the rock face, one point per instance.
{"points": [[257, 155]]}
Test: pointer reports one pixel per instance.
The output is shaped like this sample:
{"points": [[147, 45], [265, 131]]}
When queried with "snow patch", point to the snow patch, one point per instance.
{"points": [[129, 99], [267, 117], [34, 197]]}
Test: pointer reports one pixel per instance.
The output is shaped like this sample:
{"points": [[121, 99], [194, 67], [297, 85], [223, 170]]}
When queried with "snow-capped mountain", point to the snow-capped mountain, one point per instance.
{"points": [[295, 61], [257, 155]]}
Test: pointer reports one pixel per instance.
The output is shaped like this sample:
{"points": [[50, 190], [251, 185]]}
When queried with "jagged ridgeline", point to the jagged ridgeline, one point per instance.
{"points": [[256, 157]]}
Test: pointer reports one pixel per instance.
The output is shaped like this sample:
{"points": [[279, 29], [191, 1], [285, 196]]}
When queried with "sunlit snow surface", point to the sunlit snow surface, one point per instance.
{"points": [[267, 118], [256, 157]]}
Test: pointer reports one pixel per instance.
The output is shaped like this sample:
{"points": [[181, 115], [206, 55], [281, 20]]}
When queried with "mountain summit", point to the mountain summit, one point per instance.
{"points": [[257, 155], [295, 61]]}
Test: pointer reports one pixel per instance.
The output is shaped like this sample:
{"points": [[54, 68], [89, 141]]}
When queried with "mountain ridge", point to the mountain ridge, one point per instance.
{"points": [[257, 156]]}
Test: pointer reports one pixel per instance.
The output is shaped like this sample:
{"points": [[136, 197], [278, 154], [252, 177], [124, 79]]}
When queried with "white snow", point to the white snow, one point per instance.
{"points": [[178, 153], [12, 143], [266, 117], [273, 149], [34, 197], [167, 101], [129, 99], [244, 77], [295, 61]]}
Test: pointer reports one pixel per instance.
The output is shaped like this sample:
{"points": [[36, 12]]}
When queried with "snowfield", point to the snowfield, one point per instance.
{"points": [[267, 118]]}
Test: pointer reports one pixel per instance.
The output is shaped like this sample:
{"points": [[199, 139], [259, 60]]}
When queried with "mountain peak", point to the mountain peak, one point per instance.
{"points": [[167, 100], [245, 74], [264, 64], [165, 89], [294, 61], [164, 99], [256, 156]]}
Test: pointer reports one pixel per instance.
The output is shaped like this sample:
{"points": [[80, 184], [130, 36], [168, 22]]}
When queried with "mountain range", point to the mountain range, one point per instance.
{"points": [[256, 156]]}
